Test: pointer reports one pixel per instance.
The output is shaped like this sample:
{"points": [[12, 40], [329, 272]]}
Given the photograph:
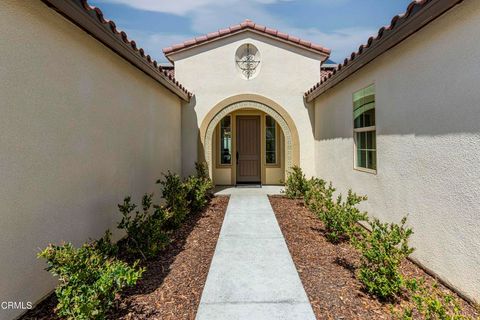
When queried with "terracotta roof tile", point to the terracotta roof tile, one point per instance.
{"points": [[413, 8], [247, 24], [223, 31], [259, 27], [170, 70], [191, 41], [325, 73], [294, 39]]}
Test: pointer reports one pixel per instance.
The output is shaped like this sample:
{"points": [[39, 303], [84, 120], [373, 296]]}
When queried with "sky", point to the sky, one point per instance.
{"points": [[341, 25]]}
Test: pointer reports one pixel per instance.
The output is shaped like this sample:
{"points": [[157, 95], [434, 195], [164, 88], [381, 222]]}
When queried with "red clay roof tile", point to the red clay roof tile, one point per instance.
{"points": [[325, 73], [247, 24]]}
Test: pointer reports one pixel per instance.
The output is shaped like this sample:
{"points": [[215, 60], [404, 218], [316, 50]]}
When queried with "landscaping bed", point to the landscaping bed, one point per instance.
{"points": [[328, 270], [173, 282]]}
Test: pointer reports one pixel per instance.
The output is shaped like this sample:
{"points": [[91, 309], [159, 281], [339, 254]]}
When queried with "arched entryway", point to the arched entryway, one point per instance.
{"points": [[263, 106]]}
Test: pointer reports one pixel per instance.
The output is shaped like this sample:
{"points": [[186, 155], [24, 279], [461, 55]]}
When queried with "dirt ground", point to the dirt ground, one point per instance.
{"points": [[328, 271], [171, 287]]}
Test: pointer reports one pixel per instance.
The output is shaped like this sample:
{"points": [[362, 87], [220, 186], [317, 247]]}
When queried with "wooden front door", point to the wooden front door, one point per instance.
{"points": [[248, 149]]}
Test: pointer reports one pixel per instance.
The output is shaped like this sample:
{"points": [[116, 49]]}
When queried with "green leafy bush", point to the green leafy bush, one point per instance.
{"points": [[91, 276], [88, 281], [105, 245], [198, 188], [174, 191], [431, 303], [145, 229], [296, 184], [341, 218], [319, 195], [201, 169], [198, 192], [382, 251]]}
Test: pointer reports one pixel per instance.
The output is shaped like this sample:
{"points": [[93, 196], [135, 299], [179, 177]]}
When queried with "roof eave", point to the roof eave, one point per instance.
{"points": [[76, 12], [388, 37]]}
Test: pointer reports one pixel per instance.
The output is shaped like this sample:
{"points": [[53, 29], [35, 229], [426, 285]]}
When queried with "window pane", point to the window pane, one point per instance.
{"points": [[369, 117], [226, 122], [225, 141], [364, 117], [371, 137], [270, 141], [271, 157], [270, 144], [372, 160], [364, 107], [361, 140], [270, 133], [358, 100], [270, 122], [358, 121], [361, 158]]}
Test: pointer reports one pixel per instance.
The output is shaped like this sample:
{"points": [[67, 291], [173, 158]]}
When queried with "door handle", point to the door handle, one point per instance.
{"points": [[237, 157]]}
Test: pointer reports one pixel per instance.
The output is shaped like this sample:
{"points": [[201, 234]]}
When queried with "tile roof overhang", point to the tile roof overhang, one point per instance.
{"points": [[247, 25], [92, 21], [419, 13]]}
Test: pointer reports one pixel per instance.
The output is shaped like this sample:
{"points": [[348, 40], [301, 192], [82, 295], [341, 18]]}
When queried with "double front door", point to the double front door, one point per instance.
{"points": [[248, 158]]}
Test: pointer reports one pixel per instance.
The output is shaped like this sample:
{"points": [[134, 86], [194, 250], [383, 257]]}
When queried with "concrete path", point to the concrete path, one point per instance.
{"points": [[252, 275]]}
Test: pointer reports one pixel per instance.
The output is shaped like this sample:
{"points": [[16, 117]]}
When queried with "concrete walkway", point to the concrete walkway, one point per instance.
{"points": [[252, 275]]}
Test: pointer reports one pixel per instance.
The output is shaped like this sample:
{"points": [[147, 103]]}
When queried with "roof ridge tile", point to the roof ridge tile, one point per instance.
{"points": [[246, 24]]}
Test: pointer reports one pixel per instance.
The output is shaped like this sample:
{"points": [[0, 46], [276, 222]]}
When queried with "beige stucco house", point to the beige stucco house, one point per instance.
{"points": [[88, 117], [248, 113]]}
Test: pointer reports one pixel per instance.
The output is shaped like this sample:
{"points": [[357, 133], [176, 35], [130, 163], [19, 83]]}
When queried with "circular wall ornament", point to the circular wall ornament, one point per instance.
{"points": [[247, 60]]}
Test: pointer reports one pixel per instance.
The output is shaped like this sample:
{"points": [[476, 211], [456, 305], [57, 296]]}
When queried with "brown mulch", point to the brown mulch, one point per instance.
{"points": [[171, 287], [328, 270]]}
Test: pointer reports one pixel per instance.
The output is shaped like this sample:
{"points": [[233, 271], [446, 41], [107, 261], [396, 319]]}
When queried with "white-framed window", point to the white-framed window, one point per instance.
{"points": [[364, 130], [225, 146], [270, 141]]}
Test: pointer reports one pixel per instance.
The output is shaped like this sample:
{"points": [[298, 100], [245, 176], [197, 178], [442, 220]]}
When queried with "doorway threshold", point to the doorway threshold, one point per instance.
{"points": [[248, 185], [248, 189]]}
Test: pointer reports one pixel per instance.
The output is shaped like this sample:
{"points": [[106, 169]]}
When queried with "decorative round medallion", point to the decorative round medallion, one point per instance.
{"points": [[247, 59]]}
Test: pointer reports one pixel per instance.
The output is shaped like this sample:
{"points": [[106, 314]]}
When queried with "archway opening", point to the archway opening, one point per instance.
{"points": [[249, 140]]}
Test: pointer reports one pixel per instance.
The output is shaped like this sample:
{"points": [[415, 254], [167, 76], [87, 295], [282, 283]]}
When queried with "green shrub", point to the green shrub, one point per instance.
{"points": [[319, 195], [198, 188], [201, 169], [341, 218], [88, 281], [145, 229], [184, 197], [382, 251], [174, 191], [431, 303], [198, 192], [296, 184], [90, 276], [105, 245]]}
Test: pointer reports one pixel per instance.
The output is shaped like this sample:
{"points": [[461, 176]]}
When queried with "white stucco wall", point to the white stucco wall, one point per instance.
{"points": [[80, 129], [210, 72], [428, 141]]}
